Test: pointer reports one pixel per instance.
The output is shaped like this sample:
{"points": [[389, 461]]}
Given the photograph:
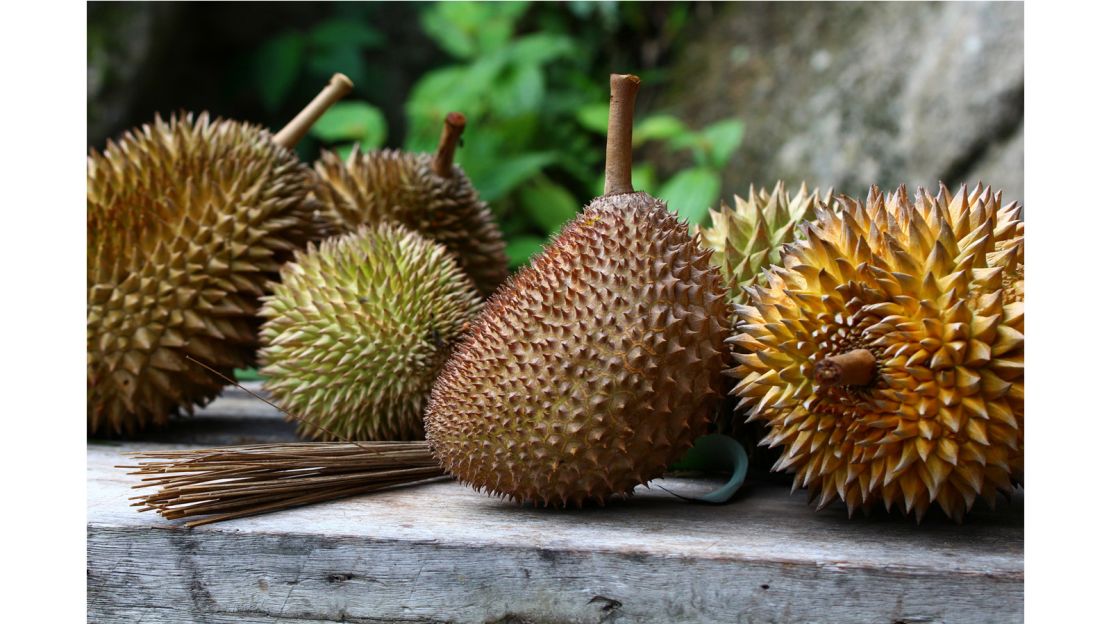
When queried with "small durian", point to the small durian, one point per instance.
{"points": [[187, 221], [886, 353], [592, 370], [359, 327], [427, 193], [746, 239], [749, 236]]}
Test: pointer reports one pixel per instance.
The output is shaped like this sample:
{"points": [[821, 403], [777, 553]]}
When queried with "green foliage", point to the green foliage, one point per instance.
{"points": [[547, 204], [531, 80], [691, 191], [331, 46], [352, 121], [522, 247]]}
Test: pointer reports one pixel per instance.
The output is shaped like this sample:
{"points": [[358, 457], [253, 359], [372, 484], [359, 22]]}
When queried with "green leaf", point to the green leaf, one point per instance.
{"points": [[429, 102], [277, 64], [539, 49], [521, 93], [521, 249], [494, 180], [724, 139], [343, 59], [657, 127], [452, 31], [352, 121], [691, 192], [343, 151], [643, 178], [465, 88], [594, 117], [468, 29], [344, 32], [716, 452], [549, 205]]}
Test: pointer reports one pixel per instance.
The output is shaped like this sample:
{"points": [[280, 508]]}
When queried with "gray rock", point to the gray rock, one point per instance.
{"points": [[850, 95]]}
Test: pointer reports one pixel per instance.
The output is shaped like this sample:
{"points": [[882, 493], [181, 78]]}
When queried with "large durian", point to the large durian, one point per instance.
{"points": [[748, 237], [886, 353], [358, 329], [187, 220], [425, 192], [596, 367]]}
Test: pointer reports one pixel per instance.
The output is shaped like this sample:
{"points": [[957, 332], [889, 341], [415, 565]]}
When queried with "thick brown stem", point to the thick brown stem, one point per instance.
{"points": [[854, 368], [453, 127], [294, 131], [618, 144]]}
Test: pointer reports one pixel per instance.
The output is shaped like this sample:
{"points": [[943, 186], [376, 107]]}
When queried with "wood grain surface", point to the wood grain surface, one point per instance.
{"points": [[444, 553]]}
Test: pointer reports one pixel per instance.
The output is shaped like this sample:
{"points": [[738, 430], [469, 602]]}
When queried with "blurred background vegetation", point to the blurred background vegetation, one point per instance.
{"points": [[732, 94], [532, 80]]}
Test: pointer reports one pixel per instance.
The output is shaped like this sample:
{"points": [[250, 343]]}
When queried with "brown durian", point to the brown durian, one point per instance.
{"points": [[187, 221], [596, 367], [359, 327], [886, 353], [748, 237], [424, 192]]}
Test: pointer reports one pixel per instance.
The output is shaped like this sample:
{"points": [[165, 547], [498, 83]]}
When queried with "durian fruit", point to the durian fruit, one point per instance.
{"points": [[187, 220], [424, 192], [886, 353], [748, 237], [596, 367], [359, 327]]}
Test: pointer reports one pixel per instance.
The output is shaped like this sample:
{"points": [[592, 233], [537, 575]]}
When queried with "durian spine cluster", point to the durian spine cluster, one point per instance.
{"points": [[357, 330], [886, 352], [186, 221], [595, 367], [748, 237]]}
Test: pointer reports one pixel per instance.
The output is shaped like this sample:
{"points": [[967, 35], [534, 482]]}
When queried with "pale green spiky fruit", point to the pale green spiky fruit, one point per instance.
{"points": [[886, 353], [748, 236], [188, 219], [358, 329]]}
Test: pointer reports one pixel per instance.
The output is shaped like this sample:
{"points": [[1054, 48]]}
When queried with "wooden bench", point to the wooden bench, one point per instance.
{"points": [[442, 552]]}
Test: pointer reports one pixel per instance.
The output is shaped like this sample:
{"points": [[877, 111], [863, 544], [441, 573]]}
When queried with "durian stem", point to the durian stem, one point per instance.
{"points": [[618, 143], [854, 368], [294, 131], [453, 127]]}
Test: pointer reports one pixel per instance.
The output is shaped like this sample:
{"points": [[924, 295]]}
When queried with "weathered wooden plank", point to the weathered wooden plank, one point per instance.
{"points": [[441, 552]]}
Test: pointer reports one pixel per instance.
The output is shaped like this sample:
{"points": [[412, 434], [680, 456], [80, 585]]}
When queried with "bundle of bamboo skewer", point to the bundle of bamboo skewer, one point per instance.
{"points": [[216, 484]]}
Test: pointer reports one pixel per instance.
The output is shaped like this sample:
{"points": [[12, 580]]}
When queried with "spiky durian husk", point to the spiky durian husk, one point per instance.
{"points": [[358, 329], [187, 220], [593, 369], [934, 291], [371, 187], [748, 237]]}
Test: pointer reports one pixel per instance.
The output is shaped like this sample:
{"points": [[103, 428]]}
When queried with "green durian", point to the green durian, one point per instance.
{"points": [[748, 237], [359, 327]]}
